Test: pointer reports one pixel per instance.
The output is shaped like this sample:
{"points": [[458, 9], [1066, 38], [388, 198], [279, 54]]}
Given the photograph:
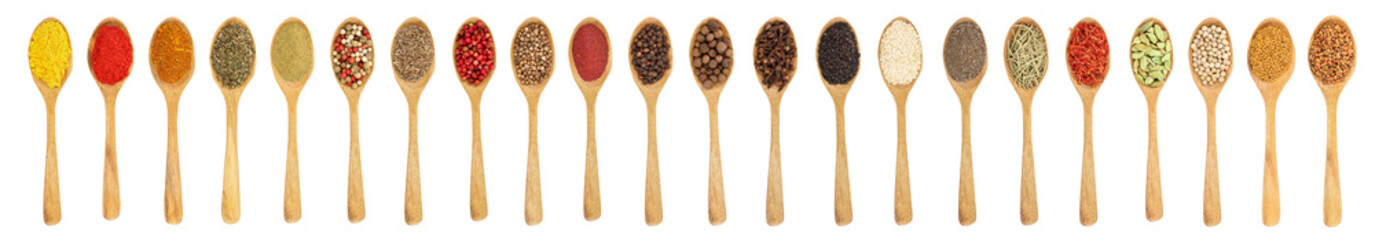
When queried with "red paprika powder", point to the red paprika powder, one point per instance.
{"points": [[474, 52], [111, 54], [589, 52], [1087, 54]]}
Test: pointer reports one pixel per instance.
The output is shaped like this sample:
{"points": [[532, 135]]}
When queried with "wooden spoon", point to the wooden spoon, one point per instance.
{"points": [[1088, 190], [172, 207], [1332, 188], [965, 91], [1154, 206], [654, 206], [412, 89], [356, 209], [592, 193], [1270, 91], [773, 212], [229, 208], [534, 210], [52, 198], [292, 89], [1029, 213], [843, 212], [477, 188], [109, 91], [902, 200], [1212, 197], [716, 190]]}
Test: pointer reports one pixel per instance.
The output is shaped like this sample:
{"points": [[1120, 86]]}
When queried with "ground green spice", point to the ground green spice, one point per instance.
{"points": [[1026, 56], [292, 55], [232, 55]]}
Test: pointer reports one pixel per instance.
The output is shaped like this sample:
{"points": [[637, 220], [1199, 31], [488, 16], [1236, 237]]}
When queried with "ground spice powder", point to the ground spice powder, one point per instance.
{"points": [[233, 55], [966, 53], [589, 52], [171, 54], [291, 51], [1087, 54], [111, 54], [50, 53]]}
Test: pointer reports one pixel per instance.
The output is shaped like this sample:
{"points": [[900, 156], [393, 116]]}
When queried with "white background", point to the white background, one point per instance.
{"points": [[808, 130]]}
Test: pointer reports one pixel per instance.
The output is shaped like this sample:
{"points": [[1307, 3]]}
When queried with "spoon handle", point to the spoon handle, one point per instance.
{"points": [[774, 197], [477, 187], [1029, 212], [716, 190], [654, 205], [1332, 191], [843, 211], [902, 196], [967, 212], [591, 188], [1154, 206], [1212, 197], [414, 210], [1270, 201], [534, 210], [111, 192], [52, 197], [171, 200], [292, 197], [1088, 189], [229, 198], [356, 208]]}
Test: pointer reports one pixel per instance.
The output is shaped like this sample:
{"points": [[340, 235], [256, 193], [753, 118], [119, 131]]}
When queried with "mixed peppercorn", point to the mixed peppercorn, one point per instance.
{"points": [[351, 54]]}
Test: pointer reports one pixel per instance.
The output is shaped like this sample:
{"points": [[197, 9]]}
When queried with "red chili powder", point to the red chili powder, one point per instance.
{"points": [[589, 52], [111, 55], [1087, 54]]}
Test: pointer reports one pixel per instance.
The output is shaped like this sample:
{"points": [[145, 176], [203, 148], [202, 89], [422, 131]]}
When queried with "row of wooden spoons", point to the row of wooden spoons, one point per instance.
{"points": [[653, 206]]}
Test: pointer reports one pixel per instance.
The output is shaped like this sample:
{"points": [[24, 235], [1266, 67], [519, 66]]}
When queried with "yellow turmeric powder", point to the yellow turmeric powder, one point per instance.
{"points": [[50, 53]]}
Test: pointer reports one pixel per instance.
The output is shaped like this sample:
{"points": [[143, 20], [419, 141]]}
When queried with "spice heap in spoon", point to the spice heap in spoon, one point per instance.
{"points": [[232, 55], [352, 54], [532, 54], [1333, 53], [412, 52], [1271, 53], [965, 52], [900, 53], [838, 54], [650, 48], [1212, 54], [1088, 54], [1026, 56], [774, 54], [1151, 54], [711, 54], [474, 53]]}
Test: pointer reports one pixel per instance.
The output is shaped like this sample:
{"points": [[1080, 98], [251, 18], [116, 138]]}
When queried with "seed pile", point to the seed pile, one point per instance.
{"points": [[351, 54], [837, 54], [292, 54], [50, 53], [1151, 54], [111, 54], [1332, 53], [965, 51], [900, 53], [1026, 56], [1087, 54], [474, 52], [590, 51], [532, 54], [651, 49], [172, 53], [1211, 54], [1271, 53], [232, 55], [775, 54], [712, 54], [412, 52]]}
